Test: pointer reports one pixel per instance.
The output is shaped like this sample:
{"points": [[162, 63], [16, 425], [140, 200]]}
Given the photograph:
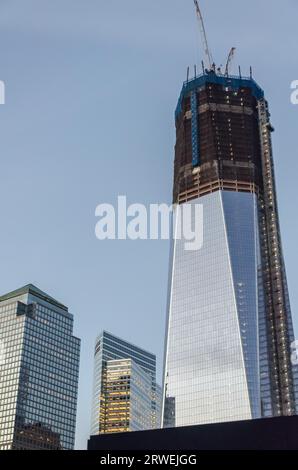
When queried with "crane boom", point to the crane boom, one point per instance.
{"points": [[204, 35], [230, 58]]}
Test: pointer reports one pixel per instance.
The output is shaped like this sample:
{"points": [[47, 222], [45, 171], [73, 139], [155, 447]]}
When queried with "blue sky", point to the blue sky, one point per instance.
{"points": [[91, 88]]}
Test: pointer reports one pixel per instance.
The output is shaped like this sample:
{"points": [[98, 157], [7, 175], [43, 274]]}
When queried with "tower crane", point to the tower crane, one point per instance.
{"points": [[204, 35]]}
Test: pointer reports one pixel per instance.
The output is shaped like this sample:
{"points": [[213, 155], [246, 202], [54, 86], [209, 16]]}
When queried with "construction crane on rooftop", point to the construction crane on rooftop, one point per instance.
{"points": [[229, 61], [206, 47], [204, 35]]}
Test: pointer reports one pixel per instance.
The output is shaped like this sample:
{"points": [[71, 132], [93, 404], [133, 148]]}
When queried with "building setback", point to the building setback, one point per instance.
{"points": [[39, 370], [229, 326]]}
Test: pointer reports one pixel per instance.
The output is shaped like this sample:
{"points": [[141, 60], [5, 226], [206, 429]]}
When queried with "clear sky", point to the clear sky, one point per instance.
{"points": [[91, 88]]}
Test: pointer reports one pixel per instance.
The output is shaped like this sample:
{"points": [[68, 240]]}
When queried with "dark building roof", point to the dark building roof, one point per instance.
{"points": [[31, 289], [260, 434]]}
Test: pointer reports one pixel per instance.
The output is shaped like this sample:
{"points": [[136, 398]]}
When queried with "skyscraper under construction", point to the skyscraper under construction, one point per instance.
{"points": [[229, 329]]}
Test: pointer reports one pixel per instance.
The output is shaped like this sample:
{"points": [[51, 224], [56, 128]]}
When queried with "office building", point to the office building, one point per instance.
{"points": [[39, 370], [126, 397], [109, 353]]}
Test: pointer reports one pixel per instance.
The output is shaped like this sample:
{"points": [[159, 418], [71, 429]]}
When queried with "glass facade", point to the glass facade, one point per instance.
{"points": [[212, 351], [108, 348], [158, 404], [229, 325], [39, 371], [126, 397]]}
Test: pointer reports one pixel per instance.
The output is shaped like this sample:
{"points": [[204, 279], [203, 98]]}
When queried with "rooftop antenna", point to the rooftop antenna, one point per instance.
{"points": [[229, 61], [204, 36], [203, 67]]}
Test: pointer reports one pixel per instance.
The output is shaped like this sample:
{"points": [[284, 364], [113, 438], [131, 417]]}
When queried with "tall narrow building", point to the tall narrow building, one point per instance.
{"points": [[39, 370], [229, 327], [112, 357]]}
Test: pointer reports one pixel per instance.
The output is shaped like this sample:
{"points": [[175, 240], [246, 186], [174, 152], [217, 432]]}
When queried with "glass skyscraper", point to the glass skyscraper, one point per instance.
{"points": [[109, 351], [229, 325], [39, 370]]}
